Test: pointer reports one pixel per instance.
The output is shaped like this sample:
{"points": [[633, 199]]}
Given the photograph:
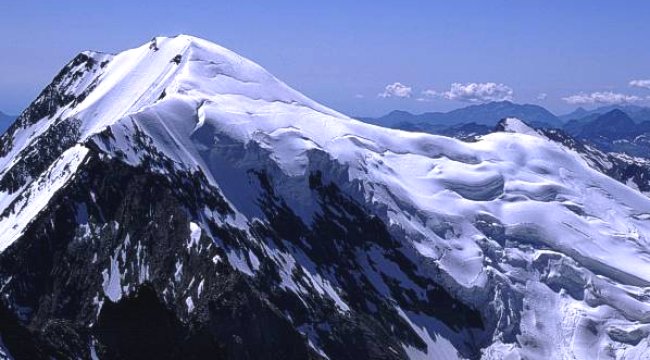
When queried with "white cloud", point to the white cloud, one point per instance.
{"points": [[431, 93], [359, 96], [396, 90], [428, 95], [607, 97], [474, 92], [542, 96], [640, 83]]}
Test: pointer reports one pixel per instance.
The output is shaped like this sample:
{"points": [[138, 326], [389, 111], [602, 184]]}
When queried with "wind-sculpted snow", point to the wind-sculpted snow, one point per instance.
{"points": [[552, 253]]}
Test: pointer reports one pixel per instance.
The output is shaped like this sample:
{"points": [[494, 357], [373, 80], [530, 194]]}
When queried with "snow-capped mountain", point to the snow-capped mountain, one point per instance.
{"points": [[178, 201]]}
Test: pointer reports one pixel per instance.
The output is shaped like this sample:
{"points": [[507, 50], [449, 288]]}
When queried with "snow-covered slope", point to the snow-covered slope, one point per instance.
{"points": [[554, 255]]}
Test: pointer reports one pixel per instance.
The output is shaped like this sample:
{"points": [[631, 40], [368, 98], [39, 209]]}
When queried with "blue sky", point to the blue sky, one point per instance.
{"points": [[345, 53]]}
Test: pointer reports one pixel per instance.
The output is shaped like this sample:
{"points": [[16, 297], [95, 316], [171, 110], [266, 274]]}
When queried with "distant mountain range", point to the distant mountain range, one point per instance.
{"points": [[615, 131], [637, 113], [5, 121], [484, 114], [613, 125], [619, 128]]}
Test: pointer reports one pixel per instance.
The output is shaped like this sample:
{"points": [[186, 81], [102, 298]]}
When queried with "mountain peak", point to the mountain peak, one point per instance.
{"points": [[502, 102], [614, 124], [514, 125], [184, 44], [398, 112], [183, 65], [616, 113], [615, 117]]}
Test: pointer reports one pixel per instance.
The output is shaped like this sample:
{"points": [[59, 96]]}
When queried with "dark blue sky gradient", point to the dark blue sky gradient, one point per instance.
{"points": [[338, 51]]}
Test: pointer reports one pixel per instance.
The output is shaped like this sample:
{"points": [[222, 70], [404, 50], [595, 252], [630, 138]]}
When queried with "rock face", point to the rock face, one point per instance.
{"points": [[177, 201]]}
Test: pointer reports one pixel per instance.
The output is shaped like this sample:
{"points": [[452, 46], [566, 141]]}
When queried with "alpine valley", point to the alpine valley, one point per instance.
{"points": [[176, 201]]}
